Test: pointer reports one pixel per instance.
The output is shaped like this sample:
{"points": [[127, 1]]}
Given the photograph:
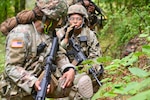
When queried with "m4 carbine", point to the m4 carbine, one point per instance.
{"points": [[49, 68], [98, 9], [79, 57]]}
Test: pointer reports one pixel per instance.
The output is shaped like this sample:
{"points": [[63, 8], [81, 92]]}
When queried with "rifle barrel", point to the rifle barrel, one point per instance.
{"points": [[48, 70]]}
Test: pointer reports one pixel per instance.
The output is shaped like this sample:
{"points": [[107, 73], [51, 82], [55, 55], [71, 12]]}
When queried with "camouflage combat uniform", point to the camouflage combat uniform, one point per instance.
{"points": [[90, 47], [86, 39], [95, 18], [24, 66], [90, 44]]}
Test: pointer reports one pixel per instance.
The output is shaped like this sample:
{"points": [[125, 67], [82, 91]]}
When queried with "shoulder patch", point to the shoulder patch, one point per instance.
{"points": [[17, 44]]}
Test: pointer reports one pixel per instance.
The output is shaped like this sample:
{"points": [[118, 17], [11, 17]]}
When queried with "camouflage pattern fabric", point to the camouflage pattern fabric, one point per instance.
{"points": [[90, 48], [71, 2], [93, 18], [22, 66], [79, 9], [53, 8]]}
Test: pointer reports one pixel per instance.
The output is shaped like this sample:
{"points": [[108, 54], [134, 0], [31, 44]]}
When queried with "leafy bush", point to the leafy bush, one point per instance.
{"points": [[124, 79]]}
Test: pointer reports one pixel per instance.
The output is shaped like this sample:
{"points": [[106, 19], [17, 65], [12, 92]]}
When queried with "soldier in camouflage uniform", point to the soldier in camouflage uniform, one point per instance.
{"points": [[24, 65], [94, 18], [78, 18], [82, 35]]}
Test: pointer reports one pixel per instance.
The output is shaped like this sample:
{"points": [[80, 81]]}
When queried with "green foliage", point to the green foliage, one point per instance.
{"points": [[2, 45], [124, 24], [6, 9], [146, 49], [138, 72], [125, 20], [141, 96], [104, 59], [133, 84]]}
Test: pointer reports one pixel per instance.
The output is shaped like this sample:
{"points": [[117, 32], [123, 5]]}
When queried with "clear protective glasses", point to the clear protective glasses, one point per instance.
{"points": [[75, 18]]}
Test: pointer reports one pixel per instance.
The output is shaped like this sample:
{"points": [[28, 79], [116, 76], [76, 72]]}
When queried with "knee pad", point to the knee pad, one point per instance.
{"points": [[83, 89]]}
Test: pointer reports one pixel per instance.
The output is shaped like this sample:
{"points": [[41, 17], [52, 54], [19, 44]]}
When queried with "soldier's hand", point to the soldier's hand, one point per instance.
{"points": [[68, 78], [91, 8], [38, 87], [69, 31]]}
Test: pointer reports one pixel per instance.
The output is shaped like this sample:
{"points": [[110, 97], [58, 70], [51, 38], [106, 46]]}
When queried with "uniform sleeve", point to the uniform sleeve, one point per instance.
{"points": [[94, 50], [17, 46], [62, 41], [63, 62], [60, 33]]}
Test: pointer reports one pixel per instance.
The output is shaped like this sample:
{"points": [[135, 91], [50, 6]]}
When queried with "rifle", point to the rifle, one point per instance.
{"points": [[76, 51], [49, 68], [79, 57], [99, 10]]}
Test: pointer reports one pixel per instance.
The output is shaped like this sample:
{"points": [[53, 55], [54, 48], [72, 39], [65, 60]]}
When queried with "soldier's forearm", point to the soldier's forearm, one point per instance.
{"points": [[21, 77]]}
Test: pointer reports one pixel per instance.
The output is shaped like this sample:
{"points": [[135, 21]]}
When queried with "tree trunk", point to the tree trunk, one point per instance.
{"points": [[22, 4], [5, 12], [16, 6], [147, 2], [111, 7]]}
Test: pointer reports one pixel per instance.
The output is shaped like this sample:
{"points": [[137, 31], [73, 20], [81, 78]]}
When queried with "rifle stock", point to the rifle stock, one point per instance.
{"points": [[49, 68]]}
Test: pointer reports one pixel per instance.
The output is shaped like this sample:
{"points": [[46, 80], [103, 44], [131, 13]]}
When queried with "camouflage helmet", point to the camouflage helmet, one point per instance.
{"points": [[77, 9], [53, 9]]}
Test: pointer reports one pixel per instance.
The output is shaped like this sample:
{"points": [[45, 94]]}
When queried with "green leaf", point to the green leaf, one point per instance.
{"points": [[143, 35], [106, 80], [141, 96], [118, 85], [138, 53], [148, 38], [104, 59], [88, 61], [115, 64], [119, 91], [129, 60], [143, 85], [112, 67], [110, 94], [96, 95], [127, 78], [132, 92], [130, 88], [146, 49], [138, 72]]}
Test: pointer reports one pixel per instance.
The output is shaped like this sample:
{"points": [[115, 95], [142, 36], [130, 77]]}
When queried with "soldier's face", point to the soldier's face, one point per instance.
{"points": [[86, 3], [76, 20], [89, 6]]}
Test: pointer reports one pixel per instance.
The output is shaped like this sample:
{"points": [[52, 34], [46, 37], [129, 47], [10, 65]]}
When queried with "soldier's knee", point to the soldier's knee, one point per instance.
{"points": [[83, 89]]}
